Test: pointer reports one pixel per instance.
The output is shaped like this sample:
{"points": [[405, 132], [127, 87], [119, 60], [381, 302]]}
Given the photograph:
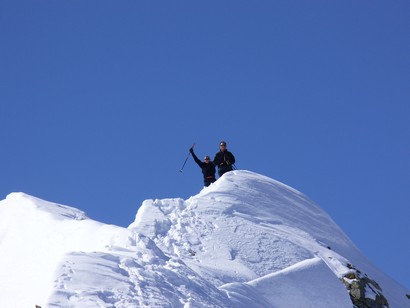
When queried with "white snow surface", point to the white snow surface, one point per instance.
{"points": [[245, 241]]}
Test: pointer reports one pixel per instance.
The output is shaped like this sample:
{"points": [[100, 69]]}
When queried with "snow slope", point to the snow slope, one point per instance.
{"points": [[245, 241]]}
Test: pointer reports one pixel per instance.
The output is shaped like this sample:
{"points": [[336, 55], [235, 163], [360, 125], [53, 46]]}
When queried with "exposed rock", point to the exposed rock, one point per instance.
{"points": [[364, 292]]}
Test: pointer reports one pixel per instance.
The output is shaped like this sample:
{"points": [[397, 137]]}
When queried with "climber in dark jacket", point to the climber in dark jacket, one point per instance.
{"points": [[208, 168], [224, 159]]}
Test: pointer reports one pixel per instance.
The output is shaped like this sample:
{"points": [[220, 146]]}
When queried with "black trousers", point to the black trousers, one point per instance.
{"points": [[224, 169], [208, 182]]}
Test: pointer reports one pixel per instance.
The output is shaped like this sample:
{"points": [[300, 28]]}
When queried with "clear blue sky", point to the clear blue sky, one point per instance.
{"points": [[101, 100]]}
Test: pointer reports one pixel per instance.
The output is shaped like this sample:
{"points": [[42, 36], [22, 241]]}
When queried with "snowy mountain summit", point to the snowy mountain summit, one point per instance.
{"points": [[245, 241]]}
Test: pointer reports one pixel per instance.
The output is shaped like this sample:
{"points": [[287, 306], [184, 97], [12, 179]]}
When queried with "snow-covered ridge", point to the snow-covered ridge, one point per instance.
{"points": [[29, 203], [245, 241]]}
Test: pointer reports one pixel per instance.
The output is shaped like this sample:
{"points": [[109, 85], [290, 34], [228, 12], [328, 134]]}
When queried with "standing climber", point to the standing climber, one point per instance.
{"points": [[208, 168], [224, 159]]}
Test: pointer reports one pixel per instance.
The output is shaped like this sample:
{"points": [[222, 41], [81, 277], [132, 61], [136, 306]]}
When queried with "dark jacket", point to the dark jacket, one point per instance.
{"points": [[208, 170], [224, 161]]}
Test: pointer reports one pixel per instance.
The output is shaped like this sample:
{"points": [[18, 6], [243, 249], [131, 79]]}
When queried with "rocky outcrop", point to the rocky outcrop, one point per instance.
{"points": [[364, 291]]}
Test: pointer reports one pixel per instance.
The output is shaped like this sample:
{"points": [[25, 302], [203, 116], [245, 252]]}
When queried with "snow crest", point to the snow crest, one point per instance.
{"points": [[244, 241]]}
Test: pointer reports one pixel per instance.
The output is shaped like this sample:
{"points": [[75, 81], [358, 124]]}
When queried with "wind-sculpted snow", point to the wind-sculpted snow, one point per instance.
{"points": [[245, 241], [303, 280], [240, 228], [144, 277], [72, 263]]}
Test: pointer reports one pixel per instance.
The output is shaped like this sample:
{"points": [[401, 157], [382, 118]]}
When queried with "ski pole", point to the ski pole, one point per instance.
{"points": [[186, 159]]}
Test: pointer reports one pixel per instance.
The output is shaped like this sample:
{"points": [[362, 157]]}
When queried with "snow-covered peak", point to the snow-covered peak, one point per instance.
{"points": [[245, 219], [264, 200], [21, 202], [245, 241], [35, 238], [248, 227]]}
